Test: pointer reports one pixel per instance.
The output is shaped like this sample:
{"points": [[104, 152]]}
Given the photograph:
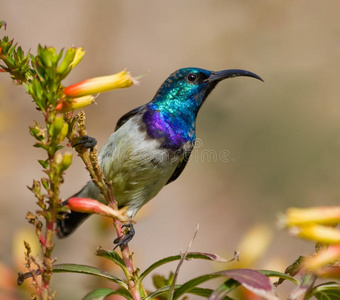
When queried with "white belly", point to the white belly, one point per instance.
{"points": [[136, 166]]}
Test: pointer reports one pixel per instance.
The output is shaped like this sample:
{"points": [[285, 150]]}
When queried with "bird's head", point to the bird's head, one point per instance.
{"points": [[187, 88], [171, 114]]}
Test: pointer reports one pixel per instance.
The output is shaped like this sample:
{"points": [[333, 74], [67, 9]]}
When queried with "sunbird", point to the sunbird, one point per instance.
{"points": [[151, 144]]}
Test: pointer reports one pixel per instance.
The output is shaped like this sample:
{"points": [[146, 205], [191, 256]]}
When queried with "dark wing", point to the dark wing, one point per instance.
{"points": [[178, 171], [128, 115]]}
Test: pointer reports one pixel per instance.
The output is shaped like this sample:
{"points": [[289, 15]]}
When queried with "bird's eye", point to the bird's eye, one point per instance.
{"points": [[192, 77]]}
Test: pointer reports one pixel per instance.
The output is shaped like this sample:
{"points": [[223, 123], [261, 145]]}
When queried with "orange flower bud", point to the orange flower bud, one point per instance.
{"points": [[322, 258], [100, 84]]}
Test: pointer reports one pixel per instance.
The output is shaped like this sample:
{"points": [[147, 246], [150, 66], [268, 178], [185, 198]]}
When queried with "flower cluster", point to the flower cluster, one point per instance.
{"points": [[318, 224], [80, 94]]}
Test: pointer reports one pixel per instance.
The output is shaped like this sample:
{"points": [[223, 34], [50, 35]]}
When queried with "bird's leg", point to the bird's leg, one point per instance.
{"points": [[123, 240], [86, 142]]}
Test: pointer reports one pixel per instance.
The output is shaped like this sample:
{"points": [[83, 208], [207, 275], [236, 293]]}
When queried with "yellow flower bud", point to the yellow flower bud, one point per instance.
{"points": [[77, 57], [68, 59], [58, 124], [63, 132], [67, 105], [254, 245], [318, 233], [316, 215], [58, 158], [97, 85], [66, 161]]}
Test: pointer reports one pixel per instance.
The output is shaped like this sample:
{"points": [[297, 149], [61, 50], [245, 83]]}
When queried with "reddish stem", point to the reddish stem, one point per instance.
{"points": [[42, 240], [127, 258]]}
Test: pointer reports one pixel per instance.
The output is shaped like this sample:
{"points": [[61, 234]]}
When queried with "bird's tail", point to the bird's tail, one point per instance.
{"points": [[72, 220]]}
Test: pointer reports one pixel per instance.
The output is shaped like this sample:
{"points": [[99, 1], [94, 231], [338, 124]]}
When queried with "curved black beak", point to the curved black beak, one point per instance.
{"points": [[220, 75]]}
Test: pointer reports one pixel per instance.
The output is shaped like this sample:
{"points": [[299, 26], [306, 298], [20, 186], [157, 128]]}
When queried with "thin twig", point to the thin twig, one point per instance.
{"points": [[184, 255]]}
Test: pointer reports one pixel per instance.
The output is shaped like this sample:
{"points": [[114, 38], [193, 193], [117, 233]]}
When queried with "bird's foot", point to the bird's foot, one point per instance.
{"points": [[86, 142], [123, 240]]}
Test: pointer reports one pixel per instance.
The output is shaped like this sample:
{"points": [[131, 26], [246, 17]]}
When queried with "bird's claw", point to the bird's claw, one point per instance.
{"points": [[123, 240], [86, 142]]}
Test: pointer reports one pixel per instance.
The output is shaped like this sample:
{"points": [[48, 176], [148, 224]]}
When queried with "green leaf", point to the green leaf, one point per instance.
{"points": [[226, 287], [160, 280], [189, 285], [3, 67], [3, 23], [203, 292], [102, 293], [326, 291], [159, 292], [59, 147], [250, 279], [84, 269], [44, 163], [40, 145], [305, 285], [112, 255], [45, 183], [190, 255], [20, 53], [282, 276], [37, 132], [293, 269], [39, 68]]}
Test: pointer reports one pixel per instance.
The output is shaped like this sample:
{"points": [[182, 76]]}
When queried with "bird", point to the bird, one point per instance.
{"points": [[151, 145]]}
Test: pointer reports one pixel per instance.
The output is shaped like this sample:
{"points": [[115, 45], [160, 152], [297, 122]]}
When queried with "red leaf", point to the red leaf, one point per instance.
{"points": [[254, 281]]}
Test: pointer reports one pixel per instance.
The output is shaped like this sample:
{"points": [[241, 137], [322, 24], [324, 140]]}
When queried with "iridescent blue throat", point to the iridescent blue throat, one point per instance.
{"points": [[171, 115], [172, 130]]}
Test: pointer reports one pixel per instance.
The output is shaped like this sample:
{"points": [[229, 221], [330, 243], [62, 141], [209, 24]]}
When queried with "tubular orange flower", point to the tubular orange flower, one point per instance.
{"points": [[319, 215], [323, 258], [329, 272], [95, 207], [67, 105], [97, 85], [318, 233]]}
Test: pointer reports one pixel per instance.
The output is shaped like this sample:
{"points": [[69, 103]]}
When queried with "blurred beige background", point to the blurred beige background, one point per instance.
{"points": [[282, 136]]}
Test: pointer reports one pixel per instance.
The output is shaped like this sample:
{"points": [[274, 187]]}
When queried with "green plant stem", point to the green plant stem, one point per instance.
{"points": [[47, 244]]}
